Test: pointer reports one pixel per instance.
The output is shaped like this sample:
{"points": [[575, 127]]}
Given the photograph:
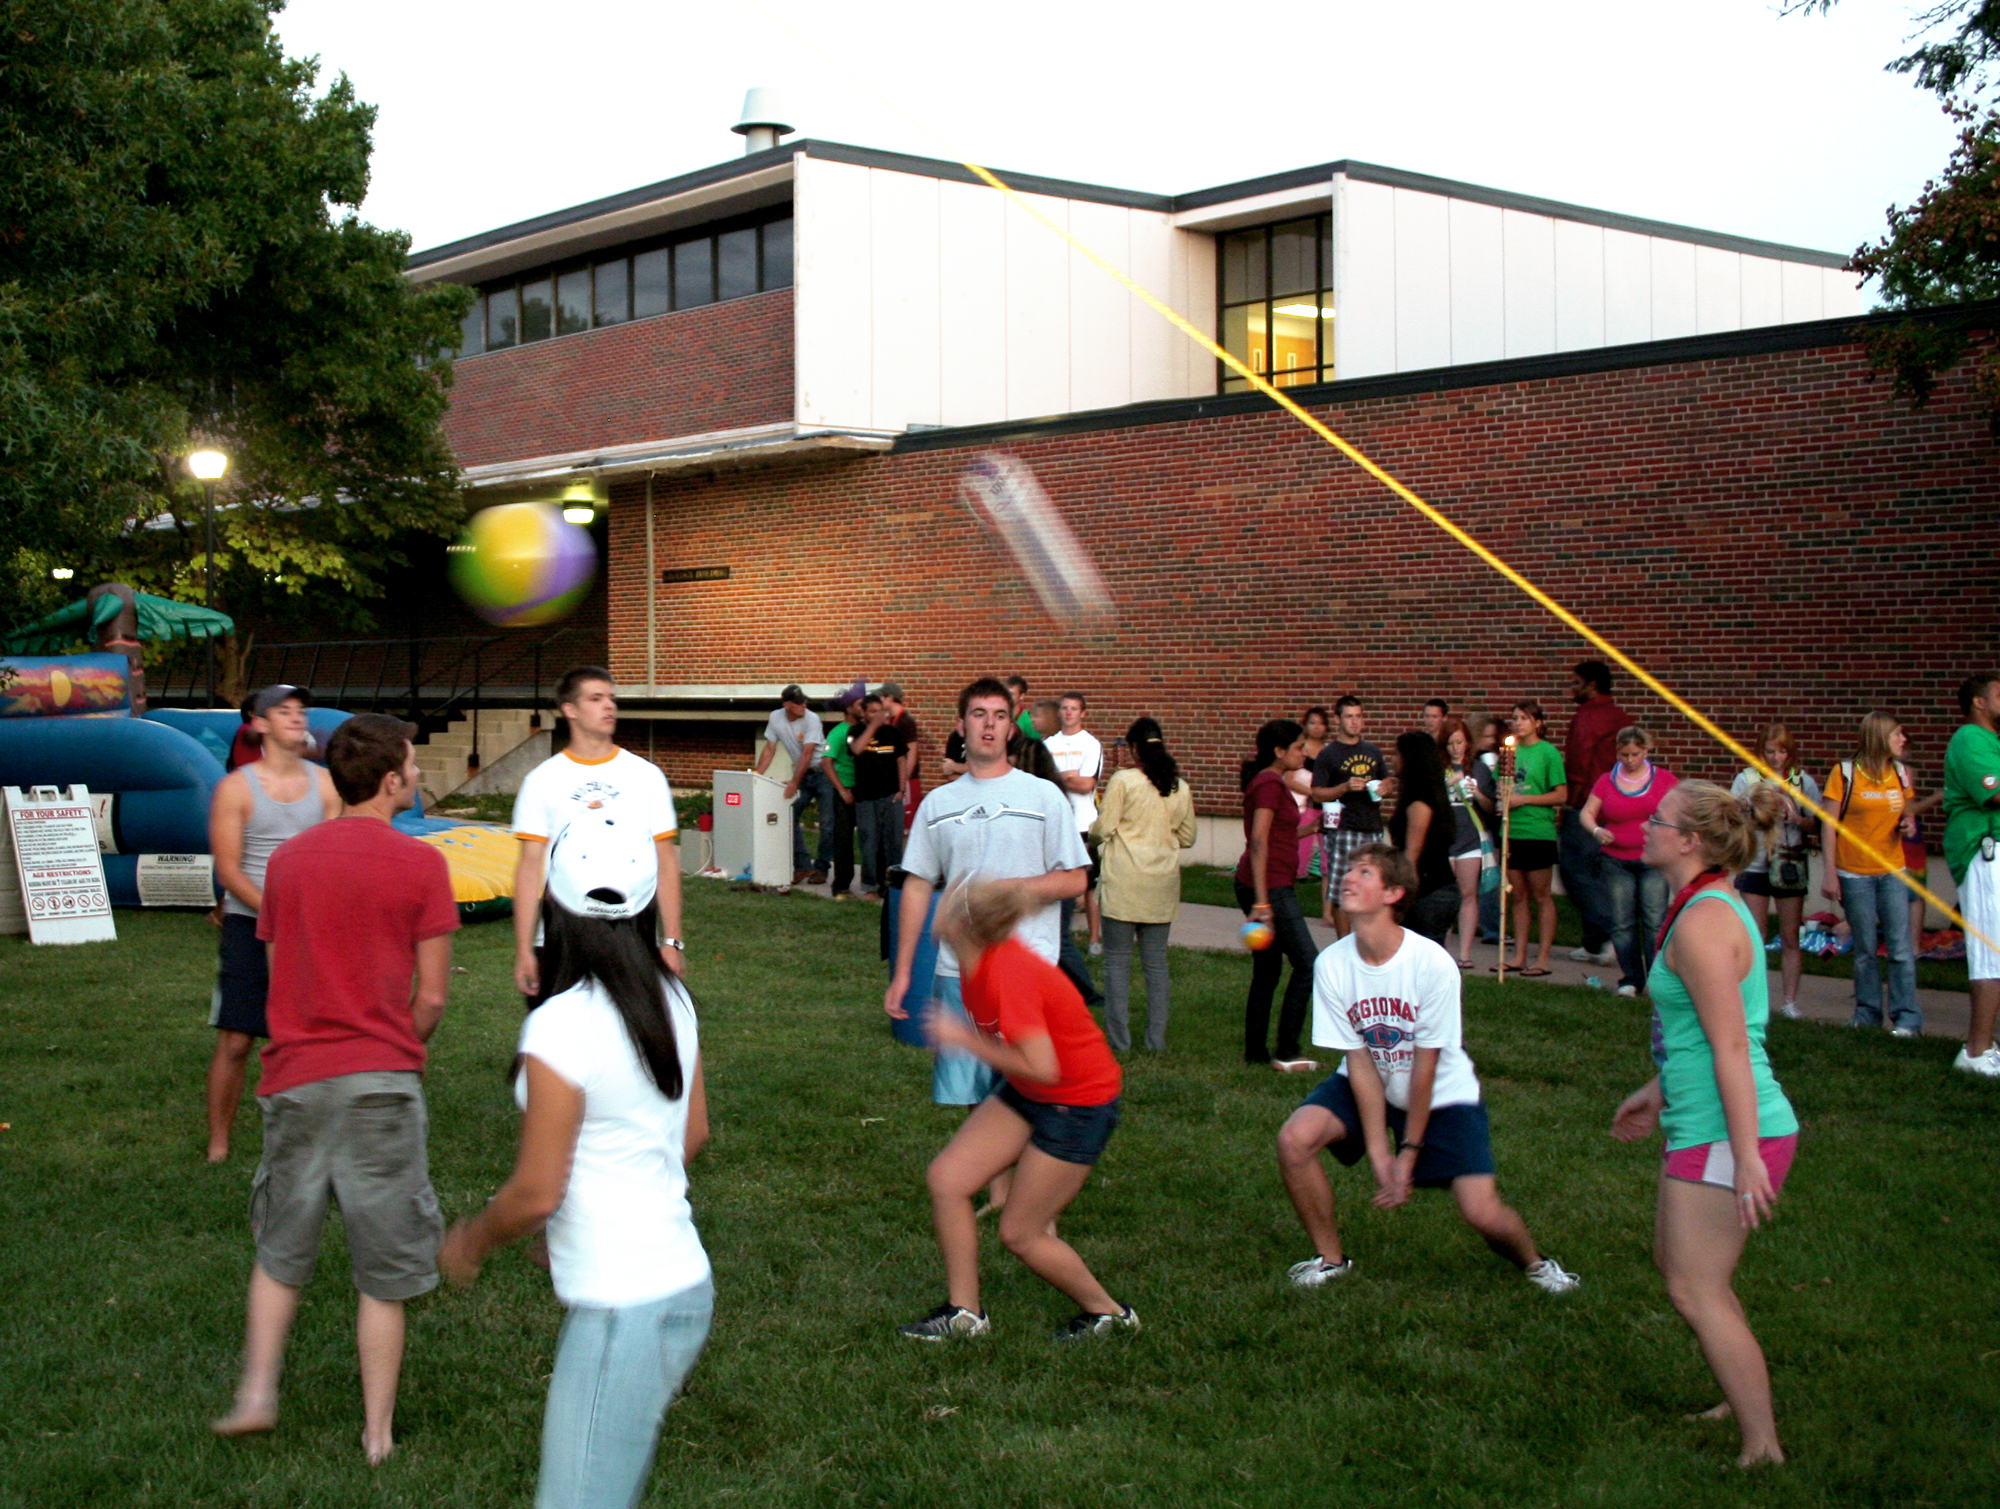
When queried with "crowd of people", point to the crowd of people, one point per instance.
{"points": [[1680, 877]]}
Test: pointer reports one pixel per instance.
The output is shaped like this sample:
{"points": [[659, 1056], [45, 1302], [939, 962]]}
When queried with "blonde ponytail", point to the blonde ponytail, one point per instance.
{"points": [[1730, 827]]}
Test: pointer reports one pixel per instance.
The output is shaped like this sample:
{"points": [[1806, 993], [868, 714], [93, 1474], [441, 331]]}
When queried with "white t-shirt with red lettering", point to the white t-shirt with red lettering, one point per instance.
{"points": [[1392, 1010]]}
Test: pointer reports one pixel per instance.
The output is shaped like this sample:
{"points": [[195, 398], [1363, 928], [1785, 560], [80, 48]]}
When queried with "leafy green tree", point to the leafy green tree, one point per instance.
{"points": [[181, 263], [1944, 250]]}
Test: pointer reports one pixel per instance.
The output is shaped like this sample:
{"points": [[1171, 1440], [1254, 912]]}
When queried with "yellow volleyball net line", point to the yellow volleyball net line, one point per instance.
{"points": [[1892, 863]]}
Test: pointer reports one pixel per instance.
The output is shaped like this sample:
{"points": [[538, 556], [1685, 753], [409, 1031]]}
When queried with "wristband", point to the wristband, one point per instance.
{"points": [[1410, 1147], [679, 945]]}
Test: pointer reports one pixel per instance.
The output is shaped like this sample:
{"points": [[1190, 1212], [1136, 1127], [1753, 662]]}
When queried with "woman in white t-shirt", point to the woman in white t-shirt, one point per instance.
{"points": [[610, 1086]]}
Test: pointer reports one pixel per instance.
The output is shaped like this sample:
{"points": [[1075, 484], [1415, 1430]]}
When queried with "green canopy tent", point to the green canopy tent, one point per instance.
{"points": [[159, 618]]}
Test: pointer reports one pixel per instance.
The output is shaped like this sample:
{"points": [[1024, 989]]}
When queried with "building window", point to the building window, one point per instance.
{"points": [[729, 261], [1276, 302]]}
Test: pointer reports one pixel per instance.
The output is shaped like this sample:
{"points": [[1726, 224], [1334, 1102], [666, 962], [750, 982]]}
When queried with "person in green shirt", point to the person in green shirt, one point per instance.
{"points": [[1972, 849], [1541, 786], [1024, 713], [839, 765]]}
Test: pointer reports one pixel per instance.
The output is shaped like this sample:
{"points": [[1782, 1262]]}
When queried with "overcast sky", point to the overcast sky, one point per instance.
{"points": [[1721, 114]]}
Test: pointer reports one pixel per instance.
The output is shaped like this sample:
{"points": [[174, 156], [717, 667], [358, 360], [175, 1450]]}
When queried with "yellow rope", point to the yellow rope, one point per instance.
{"points": [[1894, 864]]}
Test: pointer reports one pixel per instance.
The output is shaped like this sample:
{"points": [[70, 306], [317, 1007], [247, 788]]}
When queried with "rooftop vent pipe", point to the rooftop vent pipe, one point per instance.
{"points": [[763, 121]]}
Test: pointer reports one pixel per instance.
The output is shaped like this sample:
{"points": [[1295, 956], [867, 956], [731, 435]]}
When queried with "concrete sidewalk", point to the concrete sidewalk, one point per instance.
{"points": [[1821, 999]]}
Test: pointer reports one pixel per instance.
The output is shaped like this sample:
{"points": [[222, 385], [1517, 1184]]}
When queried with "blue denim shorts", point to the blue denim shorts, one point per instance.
{"points": [[1071, 1134]]}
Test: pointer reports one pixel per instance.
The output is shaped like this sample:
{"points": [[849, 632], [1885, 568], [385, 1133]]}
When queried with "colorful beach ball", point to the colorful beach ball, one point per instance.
{"points": [[521, 564]]}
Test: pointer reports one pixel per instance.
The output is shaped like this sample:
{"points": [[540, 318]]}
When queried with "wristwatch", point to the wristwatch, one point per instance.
{"points": [[674, 943]]}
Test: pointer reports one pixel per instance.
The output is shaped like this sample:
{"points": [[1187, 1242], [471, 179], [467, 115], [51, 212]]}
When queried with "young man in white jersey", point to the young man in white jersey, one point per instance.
{"points": [[1389, 1000], [256, 807], [1080, 758], [590, 774]]}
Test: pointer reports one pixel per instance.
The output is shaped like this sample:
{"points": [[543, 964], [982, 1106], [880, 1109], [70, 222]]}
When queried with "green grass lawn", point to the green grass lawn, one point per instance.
{"points": [[1434, 1376]]}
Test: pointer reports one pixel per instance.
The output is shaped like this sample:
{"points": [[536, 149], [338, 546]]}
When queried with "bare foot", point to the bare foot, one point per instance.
{"points": [[1722, 1411], [377, 1450], [218, 1152], [246, 1420], [1770, 1456]]}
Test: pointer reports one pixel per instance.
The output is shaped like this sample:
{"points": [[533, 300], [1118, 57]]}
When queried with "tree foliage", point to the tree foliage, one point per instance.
{"points": [[181, 263], [1944, 250]]}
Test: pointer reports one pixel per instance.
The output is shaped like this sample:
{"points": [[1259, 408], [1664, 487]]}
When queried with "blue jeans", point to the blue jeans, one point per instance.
{"points": [[1638, 896], [1878, 909], [1581, 860], [813, 788], [616, 1372], [1072, 962]]}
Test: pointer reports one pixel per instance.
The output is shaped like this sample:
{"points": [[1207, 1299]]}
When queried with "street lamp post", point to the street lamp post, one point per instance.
{"points": [[207, 466]]}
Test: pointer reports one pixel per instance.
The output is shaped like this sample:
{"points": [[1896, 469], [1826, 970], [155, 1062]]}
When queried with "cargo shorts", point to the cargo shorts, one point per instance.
{"points": [[359, 1139]]}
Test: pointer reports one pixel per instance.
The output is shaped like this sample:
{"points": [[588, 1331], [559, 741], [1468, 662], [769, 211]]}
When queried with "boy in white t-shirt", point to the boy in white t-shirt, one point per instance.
{"points": [[1080, 759], [590, 774], [1389, 1000]]}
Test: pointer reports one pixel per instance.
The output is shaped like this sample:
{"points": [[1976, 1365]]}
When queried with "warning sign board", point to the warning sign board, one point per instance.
{"points": [[53, 836]]}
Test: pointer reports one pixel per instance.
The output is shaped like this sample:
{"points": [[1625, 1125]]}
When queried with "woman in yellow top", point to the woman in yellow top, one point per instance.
{"points": [[1144, 819], [1870, 795]]}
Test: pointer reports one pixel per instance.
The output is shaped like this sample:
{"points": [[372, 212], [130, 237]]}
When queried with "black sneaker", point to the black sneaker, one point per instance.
{"points": [[945, 1322], [1083, 1324]]}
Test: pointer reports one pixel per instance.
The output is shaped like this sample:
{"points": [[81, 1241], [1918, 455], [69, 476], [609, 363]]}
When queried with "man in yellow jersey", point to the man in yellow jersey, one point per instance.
{"points": [[590, 775]]}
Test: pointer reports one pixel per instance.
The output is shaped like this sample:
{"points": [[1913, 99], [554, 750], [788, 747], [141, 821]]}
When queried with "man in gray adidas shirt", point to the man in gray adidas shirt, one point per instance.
{"points": [[995, 822]]}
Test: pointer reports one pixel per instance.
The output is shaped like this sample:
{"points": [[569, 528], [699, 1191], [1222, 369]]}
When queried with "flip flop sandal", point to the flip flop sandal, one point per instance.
{"points": [[1533, 974]]}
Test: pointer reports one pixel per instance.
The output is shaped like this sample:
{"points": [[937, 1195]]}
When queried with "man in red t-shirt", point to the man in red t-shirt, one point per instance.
{"points": [[1590, 749], [358, 921]]}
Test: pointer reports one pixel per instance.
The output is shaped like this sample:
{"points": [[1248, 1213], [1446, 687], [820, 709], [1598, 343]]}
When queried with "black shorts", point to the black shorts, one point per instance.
{"points": [[1457, 1139], [1073, 1134], [1530, 854], [1758, 883], [242, 979]]}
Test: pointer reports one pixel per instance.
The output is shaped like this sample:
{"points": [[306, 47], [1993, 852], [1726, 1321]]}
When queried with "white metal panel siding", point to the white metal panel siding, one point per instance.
{"points": [[1673, 289], [1100, 308], [1192, 292], [972, 304], [1530, 244], [1154, 356], [1423, 281], [1478, 283], [1628, 288], [1038, 323], [907, 301], [1763, 292], [1364, 229], [1718, 290], [832, 293], [1579, 286], [1841, 293], [1804, 293]]}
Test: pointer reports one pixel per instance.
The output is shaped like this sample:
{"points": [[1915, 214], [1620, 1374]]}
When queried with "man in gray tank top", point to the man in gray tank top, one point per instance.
{"points": [[256, 807]]}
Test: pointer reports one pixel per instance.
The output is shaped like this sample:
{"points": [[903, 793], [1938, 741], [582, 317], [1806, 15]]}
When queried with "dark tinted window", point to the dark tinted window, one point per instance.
{"points": [[1242, 266], [503, 320], [736, 263], [778, 254], [1292, 248], [651, 284], [573, 301], [472, 330], [537, 313], [612, 302], [694, 274], [1280, 326]]}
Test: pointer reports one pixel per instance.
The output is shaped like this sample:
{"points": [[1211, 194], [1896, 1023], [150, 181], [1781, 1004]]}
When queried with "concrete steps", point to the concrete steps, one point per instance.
{"points": [[441, 759]]}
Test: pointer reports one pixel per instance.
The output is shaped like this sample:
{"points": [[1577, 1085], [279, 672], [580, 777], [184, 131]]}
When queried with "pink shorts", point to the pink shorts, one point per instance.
{"points": [[1714, 1163]]}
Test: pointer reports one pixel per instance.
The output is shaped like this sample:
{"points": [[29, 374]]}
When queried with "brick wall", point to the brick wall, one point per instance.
{"points": [[1768, 532], [723, 367]]}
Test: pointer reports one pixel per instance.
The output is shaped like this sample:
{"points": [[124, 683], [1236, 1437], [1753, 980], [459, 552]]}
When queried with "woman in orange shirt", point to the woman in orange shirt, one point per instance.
{"points": [[1870, 795]]}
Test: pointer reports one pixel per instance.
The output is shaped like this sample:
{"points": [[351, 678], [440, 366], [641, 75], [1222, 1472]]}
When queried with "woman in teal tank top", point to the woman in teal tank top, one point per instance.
{"points": [[1730, 1132]]}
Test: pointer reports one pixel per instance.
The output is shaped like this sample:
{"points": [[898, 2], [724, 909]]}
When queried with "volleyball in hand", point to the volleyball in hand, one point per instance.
{"points": [[1003, 495], [1256, 935], [521, 564]]}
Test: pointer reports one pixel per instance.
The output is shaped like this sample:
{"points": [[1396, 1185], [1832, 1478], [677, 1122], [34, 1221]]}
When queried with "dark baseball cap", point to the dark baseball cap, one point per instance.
{"points": [[275, 693]]}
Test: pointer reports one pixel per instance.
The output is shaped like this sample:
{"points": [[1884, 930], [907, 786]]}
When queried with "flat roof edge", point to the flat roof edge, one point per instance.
{"points": [[1803, 336]]}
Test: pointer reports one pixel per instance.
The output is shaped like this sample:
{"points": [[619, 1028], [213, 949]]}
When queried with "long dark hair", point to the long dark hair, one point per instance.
{"points": [[1278, 734], [621, 958], [1421, 779], [1149, 748], [1032, 756]]}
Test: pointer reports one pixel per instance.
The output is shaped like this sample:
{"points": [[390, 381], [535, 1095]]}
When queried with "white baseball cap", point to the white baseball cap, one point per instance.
{"points": [[603, 866]]}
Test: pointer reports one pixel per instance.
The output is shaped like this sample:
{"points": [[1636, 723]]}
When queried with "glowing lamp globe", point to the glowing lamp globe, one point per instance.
{"points": [[1256, 936], [521, 564]]}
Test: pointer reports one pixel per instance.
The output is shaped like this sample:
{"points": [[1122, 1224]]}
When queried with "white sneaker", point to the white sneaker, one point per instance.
{"points": [[1628, 991], [1789, 1010], [1315, 1271], [1902, 1032], [1986, 1066], [1548, 1276], [1605, 955]]}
